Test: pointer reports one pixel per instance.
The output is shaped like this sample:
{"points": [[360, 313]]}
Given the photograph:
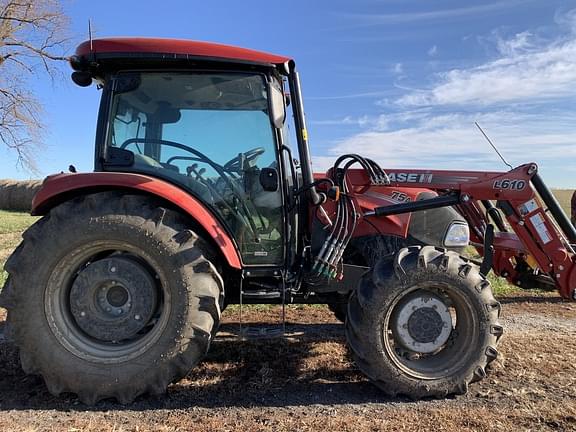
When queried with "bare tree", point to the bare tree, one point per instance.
{"points": [[32, 41]]}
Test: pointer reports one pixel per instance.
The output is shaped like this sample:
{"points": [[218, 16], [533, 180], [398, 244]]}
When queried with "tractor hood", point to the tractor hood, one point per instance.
{"points": [[433, 227]]}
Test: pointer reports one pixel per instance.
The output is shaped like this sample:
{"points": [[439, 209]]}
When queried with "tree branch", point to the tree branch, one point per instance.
{"points": [[32, 33]]}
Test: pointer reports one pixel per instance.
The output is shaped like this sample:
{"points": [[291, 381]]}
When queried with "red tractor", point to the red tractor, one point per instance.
{"points": [[197, 201]]}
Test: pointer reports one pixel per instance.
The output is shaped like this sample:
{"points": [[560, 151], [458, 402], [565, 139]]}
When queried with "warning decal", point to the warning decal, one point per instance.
{"points": [[540, 226], [528, 207]]}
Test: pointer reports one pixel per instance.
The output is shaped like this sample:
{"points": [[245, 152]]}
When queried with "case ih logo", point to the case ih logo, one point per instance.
{"points": [[401, 177]]}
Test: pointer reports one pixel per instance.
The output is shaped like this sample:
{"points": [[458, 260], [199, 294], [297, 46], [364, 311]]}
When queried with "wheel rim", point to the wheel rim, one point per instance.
{"points": [[429, 330], [422, 324], [107, 302], [114, 298]]}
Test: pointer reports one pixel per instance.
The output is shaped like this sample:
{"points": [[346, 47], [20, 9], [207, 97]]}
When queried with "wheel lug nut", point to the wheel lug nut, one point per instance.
{"points": [[119, 311], [137, 317], [108, 309], [82, 314], [113, 269]]}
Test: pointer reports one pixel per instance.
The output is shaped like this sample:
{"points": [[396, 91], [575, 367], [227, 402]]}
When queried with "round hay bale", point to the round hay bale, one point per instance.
{"points": [[17, 195]]}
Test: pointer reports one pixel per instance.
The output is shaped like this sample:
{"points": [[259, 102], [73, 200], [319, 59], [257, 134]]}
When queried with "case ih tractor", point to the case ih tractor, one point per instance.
{"points": [[197, 202]]}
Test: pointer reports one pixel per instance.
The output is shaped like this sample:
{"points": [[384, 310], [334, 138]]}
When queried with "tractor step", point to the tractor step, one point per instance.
{"points": [[262, 294], [269, 294], [258, 332]]}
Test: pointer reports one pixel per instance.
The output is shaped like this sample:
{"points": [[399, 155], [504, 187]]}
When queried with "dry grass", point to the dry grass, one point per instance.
{"points": [[564, 196], [308, 383], [11, 226]]}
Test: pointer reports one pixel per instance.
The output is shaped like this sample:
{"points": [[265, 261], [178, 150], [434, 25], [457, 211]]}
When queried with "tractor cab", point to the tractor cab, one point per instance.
{"points": [[212, 126]]}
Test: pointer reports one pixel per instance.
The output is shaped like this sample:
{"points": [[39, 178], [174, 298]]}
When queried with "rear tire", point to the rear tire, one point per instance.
{"points": [[111, 296], [424, 324]]}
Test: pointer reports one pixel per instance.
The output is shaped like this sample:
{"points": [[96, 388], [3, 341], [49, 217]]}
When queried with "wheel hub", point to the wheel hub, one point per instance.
{"points": [[117, 296], [423, 324], [113, 299]]}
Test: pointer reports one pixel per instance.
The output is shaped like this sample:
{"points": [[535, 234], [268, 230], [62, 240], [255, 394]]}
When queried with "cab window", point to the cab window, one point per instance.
{"points": [[211, 134]]}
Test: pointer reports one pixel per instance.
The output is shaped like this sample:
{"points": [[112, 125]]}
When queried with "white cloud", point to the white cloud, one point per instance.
{"points": [[352, 95], [451, 141], [435, 15], [398, 69], [525, 72], [518, 44], [523, 99], [567, 20], [433, 51], [362, 121]]}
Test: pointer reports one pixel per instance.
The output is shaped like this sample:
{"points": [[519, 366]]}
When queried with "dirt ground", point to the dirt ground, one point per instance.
{"points": [[308, 382]]}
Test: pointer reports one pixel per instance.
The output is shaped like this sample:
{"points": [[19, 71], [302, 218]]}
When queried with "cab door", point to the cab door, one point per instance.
{"points": [[212, 134]]}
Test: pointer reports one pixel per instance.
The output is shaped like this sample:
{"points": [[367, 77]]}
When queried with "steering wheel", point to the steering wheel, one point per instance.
{"points": [[236, 164], [221, 172]]}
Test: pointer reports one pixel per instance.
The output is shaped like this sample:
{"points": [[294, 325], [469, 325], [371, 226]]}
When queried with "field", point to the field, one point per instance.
{"points": [[563, 196], [308, 382], [11, 226]]}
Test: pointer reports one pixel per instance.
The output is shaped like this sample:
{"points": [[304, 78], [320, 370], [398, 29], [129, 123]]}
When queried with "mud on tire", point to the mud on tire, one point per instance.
{"points": [[423, 324], [111, 296]]}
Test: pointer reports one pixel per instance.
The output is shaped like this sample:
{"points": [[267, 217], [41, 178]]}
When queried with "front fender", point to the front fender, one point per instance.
{"points": [[61, 187]]}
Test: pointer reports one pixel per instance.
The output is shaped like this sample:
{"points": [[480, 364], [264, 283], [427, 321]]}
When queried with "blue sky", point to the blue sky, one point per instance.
{"points": [[401, 81]]}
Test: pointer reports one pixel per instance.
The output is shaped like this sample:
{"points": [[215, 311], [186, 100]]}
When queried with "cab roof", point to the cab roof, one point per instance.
{"points": [[136, 47]]}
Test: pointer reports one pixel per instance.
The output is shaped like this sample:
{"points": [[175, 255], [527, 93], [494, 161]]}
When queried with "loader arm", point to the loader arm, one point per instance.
{"points": [[537, 229]]}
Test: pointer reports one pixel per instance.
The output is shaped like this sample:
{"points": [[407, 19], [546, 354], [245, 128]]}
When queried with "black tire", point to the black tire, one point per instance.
{"points": [[111, 296], [401, 330], [364, 251]]}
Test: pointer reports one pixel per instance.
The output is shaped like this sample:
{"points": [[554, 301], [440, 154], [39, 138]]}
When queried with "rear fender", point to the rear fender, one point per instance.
{"points": [[62, 187]]}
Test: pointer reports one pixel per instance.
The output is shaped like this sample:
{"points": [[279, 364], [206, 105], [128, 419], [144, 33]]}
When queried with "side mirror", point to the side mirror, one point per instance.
{"points": [[276, 105], [269, 179], [82, 79]]}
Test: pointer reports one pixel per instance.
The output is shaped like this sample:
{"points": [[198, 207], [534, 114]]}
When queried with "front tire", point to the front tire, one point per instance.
{"points": [[424, 324], [364, 251], [111, 296]]}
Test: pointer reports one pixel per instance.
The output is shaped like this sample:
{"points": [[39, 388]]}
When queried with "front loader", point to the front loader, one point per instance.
{"points": [[196, 202]]}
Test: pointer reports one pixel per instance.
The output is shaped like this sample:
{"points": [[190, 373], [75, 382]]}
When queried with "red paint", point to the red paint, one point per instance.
{"points": [[367, 197], [56, 187], [551, 253], [534, 231], [176, 46], [475, 184]]}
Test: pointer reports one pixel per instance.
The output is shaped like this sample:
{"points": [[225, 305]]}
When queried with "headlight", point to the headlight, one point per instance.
{"points": [[457, 235]]}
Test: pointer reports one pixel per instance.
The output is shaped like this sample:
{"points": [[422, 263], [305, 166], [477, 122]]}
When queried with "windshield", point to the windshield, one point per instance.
{"points": [[210, 133]]}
